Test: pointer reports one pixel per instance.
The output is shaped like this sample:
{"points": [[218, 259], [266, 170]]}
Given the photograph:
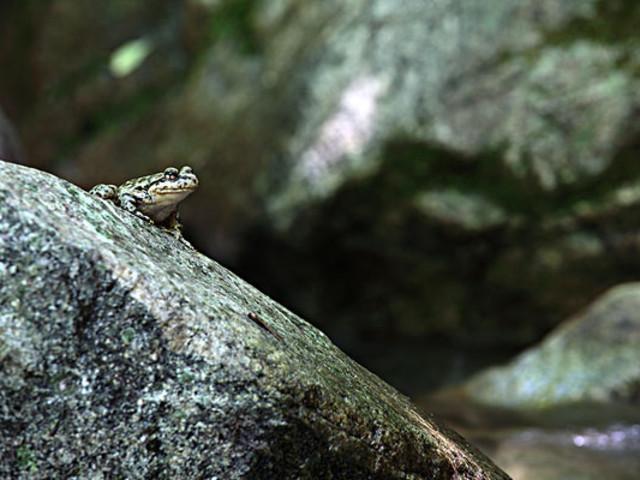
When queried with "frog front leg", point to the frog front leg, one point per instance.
{"points": [[173, 225], [130, 203], [105, 191]]}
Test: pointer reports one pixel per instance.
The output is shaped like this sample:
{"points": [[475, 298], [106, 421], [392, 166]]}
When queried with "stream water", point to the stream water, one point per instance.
{"points": [[589, 454], [573, 442]]}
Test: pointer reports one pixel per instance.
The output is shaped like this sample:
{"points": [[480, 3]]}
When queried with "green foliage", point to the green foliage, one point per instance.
{"points": [[615, 21], [232, 22], [129, 56]]}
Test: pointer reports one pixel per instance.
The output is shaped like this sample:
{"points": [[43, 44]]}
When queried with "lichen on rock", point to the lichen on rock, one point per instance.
{"points": [[592, 358], [124, 353]]}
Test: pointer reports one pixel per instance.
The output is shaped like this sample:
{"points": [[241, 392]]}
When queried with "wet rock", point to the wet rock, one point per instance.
{"points": [[468, 212], [592, 358], [125, 353]]}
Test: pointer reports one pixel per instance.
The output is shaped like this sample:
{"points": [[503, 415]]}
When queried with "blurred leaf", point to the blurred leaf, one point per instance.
{"points": [[129, 56]]}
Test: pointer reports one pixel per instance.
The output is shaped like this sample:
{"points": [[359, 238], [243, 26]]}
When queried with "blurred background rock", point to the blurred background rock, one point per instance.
{"points": [[435, 184]]}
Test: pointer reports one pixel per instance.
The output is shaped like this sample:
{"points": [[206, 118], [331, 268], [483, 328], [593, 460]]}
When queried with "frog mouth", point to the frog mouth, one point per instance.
{"points": [[173, 190]]}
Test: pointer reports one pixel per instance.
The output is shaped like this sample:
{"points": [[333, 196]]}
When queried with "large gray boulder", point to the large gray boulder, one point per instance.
{"points": [[474, 161], [483, 82], [125, 353], [592, 358]]}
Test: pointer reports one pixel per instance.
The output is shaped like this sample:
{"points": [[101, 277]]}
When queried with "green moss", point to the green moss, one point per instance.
{"points": [[185, 377], [128, 334], [614, 21], [409, 168], [26, 459], [232, 21]]}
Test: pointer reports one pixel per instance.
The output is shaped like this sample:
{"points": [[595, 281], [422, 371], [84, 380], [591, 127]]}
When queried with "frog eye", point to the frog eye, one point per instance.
{"points": [[171, 172], [186, 169]]}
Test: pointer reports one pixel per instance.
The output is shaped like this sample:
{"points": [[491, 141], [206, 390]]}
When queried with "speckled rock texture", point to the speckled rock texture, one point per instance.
{"points": [[126, 354], [592, 358], [468, 77]]}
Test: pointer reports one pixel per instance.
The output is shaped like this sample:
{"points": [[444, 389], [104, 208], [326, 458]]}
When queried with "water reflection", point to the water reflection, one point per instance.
{"points": [[616, 437]]}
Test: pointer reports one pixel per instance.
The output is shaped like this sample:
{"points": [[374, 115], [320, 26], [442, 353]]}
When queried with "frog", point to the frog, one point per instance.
{"points": [[153, 198]]}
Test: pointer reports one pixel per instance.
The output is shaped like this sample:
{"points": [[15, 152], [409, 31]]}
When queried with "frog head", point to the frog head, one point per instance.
{"points": [[158, 195], [172, 186]]}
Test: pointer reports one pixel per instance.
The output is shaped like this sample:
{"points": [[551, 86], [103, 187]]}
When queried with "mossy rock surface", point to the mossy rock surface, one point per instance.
{"points": [[127, 354], [592, 358]]}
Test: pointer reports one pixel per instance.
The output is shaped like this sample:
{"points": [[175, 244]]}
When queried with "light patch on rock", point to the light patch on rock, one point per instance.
{"points": [[346, 131], [469, 211]]}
